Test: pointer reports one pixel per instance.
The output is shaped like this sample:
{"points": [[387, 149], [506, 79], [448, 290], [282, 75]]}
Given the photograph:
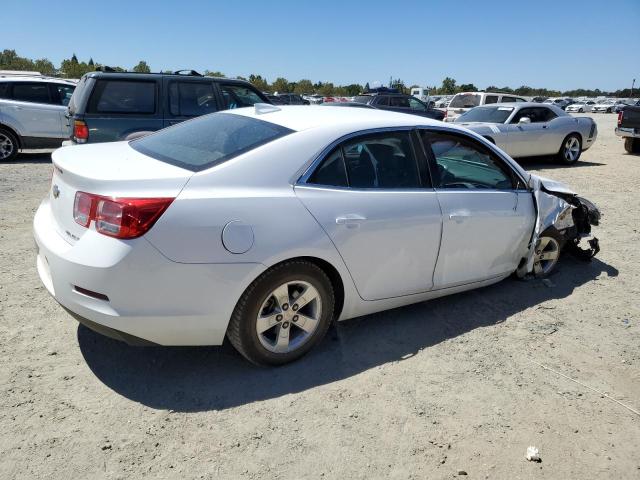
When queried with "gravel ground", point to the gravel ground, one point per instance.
{"points": [[463, 383]]}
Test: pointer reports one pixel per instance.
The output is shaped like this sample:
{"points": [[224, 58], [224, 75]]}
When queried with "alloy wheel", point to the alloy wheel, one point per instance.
{"points": [[546, 256], [572, 149], [289, 316], [6, 146]]}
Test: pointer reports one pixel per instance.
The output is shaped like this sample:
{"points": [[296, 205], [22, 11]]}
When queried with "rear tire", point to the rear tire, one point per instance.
{"points": [[570, 150], [9, 146], [581, 111], [267, 313], [632, 145]]}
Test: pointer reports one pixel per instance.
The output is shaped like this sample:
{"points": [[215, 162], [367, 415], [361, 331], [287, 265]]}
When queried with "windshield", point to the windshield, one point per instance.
{"points": [[362, 98], [465, 100], [486, 114], [209, 140]]}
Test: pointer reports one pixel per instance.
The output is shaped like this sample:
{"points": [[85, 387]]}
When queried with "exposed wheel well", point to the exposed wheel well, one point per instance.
{"points": [[15, 134], [334, 276]]}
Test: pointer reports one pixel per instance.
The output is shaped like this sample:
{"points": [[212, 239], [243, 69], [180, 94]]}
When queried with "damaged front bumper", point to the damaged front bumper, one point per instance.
{"points": [[568, 215]]}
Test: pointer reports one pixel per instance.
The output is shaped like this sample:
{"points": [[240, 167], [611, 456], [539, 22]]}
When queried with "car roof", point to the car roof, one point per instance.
{"points": [[304, 117], [154, 76], [27, 78]]}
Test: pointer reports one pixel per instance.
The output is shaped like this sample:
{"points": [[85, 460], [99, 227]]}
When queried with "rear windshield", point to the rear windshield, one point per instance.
{"points": [[486, 114], [209, 140], [465, 100]]}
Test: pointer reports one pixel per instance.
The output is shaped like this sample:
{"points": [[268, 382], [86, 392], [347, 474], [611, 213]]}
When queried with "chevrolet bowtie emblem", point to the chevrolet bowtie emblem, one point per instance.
{"points": [[56, 191]]}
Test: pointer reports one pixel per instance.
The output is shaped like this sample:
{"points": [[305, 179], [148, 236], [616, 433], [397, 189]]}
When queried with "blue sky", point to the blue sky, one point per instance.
{"points": [[561, 44]]}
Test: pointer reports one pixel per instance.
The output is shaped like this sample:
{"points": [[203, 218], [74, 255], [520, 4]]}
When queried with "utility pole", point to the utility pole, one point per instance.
{"points": [[632, 84]]}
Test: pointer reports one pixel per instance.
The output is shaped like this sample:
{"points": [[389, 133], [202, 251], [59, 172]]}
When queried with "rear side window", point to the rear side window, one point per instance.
{"points": [[64, 93], [490, 99], [465, 100], [508, 99], [332, 171], [191, 99], [4, 90], [207, 141], [400, 102], [123, 96], [238, 96], [31, 92]]}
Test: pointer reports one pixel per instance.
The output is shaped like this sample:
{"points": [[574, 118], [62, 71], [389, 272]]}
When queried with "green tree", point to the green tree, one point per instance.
{"points": [[44, 66], [326, 89], [259, 82], [448, 86], [304, 86], [353, 89], [142, 67], [280, 85], [467, 87], [72, 68], [215, 73]]}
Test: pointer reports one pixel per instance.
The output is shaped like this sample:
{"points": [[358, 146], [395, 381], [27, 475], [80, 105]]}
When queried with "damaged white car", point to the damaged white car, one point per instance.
{"points": [[265, 224]]}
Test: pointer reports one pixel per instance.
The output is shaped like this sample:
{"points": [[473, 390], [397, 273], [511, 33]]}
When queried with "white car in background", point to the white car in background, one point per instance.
{"points": [[32, 113], [465, 101], [265, 224], [608, 106], [581, 107]]}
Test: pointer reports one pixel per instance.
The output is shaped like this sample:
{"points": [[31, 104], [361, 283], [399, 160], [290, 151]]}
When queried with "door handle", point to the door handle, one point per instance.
{"points": [[350, 220], [458, 217], [544, 126]]}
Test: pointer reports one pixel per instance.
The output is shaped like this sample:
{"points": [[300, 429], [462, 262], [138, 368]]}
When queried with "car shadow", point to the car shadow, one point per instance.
{"points": [[551, 163], [39, 156], [191, 379]]}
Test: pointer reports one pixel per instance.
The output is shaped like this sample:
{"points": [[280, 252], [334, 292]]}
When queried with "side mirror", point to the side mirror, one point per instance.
{"points": [[524, 120]]}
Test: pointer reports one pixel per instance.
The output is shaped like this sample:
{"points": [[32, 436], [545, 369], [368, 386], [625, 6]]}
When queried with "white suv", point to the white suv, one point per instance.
{"points": [[32, 113], [465, 101]]}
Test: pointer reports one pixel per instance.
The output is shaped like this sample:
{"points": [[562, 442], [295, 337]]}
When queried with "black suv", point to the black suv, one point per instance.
{"points": [[110, 106], [399, 102]]}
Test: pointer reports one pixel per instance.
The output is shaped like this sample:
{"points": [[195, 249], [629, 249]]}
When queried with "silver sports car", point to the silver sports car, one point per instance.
{"points": [[532, 129]]}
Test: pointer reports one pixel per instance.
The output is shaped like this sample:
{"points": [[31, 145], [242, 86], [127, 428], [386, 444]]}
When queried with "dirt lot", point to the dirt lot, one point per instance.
{"points": [[419, 392]]}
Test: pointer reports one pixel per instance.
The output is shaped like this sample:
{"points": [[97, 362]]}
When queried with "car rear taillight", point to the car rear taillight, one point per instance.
{"points": [[620, 115], [118, 217], [80, 131]]}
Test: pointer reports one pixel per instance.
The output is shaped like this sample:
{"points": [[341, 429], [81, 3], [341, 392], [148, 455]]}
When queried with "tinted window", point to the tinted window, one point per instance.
{"points": [[4, 90], [331, 171], [490, 99], [207, 141], [463, 163], [415, 104], [191, 99], [31, 92], [123, 96], [466, 100], [508, 99], [486, 114], [382, 160], [382, 101], [362, 98], [535, 114], [65, 92], [399, 102], [520, 99], [237, 96]]}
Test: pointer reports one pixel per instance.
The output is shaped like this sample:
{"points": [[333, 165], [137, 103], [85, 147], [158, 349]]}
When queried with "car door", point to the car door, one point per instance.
{"points": [[61, 94], [188, 98], [488, 215], [372, 196], [34, 110], [527, 139]]}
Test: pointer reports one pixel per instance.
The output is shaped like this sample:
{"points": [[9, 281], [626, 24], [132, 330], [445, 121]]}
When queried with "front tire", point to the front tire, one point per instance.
{"points": [[570, 150], [283, 314], [547, 253], [632, 145], [581, 111], [9, 146]]}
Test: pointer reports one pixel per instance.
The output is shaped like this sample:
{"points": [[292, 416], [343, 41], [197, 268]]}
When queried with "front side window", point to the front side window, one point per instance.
{"points": [[380, 160], [65, 92], [415, 104], [238, 96], [535, 114], [462, 163], [123, 96], [506, 99], [191, 99], [207, 141], [31, 92]]}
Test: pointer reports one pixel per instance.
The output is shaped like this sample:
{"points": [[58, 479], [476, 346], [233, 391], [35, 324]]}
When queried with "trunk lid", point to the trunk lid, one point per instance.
{"points": [[109, 169]]}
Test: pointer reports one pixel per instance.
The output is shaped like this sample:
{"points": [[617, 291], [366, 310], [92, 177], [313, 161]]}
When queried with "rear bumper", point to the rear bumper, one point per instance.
{"points": [[142, 296], [628, 132]]}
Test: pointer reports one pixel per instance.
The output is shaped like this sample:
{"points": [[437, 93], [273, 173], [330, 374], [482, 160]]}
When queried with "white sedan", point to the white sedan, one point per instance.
{"points": [[581, 107], [265, 224]]}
